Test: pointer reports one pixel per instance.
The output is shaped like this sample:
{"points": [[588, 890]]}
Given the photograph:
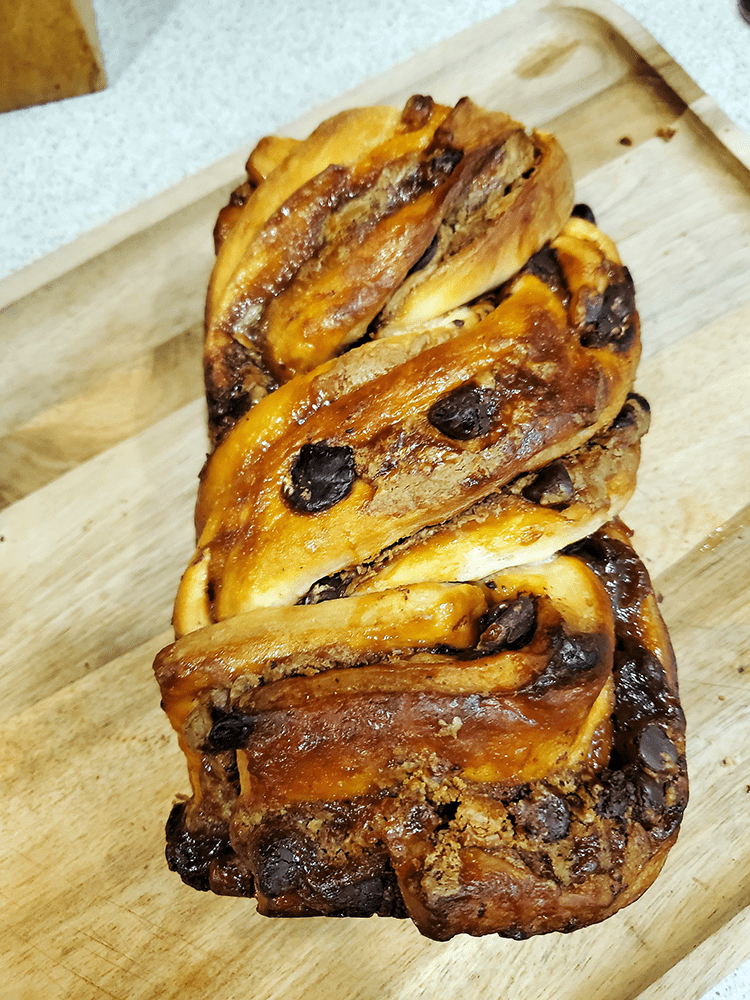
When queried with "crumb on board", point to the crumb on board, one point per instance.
{"points": [[450, 728], [626, 141], [666, 133]]}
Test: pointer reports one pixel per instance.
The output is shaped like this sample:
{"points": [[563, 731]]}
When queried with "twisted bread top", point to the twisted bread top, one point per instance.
{"points": [[418, 371], [377, 219], [410, 429]]}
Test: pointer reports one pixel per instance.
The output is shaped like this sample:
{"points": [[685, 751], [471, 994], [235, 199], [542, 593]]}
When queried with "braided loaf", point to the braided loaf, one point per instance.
{"points": [[419, 670]]}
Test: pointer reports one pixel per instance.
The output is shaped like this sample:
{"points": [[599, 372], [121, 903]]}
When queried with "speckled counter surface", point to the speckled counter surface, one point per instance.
{"points": [[191, 81]]}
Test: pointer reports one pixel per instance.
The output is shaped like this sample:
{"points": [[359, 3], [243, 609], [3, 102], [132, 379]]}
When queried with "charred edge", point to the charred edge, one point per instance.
{"points": [[287, 863], [191, 854]]}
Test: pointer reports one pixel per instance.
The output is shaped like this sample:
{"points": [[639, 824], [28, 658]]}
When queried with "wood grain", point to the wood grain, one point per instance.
{"points": [[102, 435], [119, 924]]}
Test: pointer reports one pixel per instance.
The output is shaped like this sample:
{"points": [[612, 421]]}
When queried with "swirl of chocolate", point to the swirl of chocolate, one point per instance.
{"points": [[419, 670]]}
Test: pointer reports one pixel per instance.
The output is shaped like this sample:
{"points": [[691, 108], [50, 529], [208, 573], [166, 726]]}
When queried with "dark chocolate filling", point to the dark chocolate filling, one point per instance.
{"points": [[552, 487], [609, 317], [464, 413], [583, 211], [321, 475]]}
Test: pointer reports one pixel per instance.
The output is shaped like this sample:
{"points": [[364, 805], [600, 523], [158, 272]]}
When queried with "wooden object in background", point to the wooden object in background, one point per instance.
{"points": [[49, 50], [102, 435]]}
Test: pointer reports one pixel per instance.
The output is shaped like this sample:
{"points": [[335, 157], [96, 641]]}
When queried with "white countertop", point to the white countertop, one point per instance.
{"points": [[191, 81]]}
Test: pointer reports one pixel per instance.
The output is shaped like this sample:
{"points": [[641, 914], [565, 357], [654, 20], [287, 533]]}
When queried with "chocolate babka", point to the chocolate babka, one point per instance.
{"points": [[419, 669]]}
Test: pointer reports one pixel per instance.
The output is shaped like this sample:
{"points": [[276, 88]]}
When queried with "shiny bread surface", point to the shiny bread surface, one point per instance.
{"points": [[418, 669]]}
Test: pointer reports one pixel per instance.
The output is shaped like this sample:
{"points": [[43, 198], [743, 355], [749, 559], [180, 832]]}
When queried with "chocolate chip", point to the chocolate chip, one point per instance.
{"points": [[508, 625], [226, 406], [464, 413], [416, 113], [322, 475], [573, 656], [230, 731], [239, 196], [358, 899], [638, 399], [548, 818], [328, 588], [278, 871], [280, 863], [545, 265], [655, 748], [443, 163], [651, 802], [552, 487], [584, 858], [608, 317], [538, 863], [577, 654], [582, 211], [228, 876], [431, 172], [651, 794], [641, 690], [629, 412], [226, 396], [616, 797]]}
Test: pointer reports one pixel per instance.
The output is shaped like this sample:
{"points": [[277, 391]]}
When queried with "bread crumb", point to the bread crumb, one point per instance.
{"points": [[450, 728], [626, 141], [666, 133]]}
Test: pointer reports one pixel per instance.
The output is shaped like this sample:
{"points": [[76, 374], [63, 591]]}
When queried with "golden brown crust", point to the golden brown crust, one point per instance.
{"points": [[420, 212], [418, 371], [541, 385], [530, 519], [454, 811], [503, 219]]}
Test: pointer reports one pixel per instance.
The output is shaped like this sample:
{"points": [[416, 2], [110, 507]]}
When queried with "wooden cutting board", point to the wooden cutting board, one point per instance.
{"points": [[101, 439]]}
